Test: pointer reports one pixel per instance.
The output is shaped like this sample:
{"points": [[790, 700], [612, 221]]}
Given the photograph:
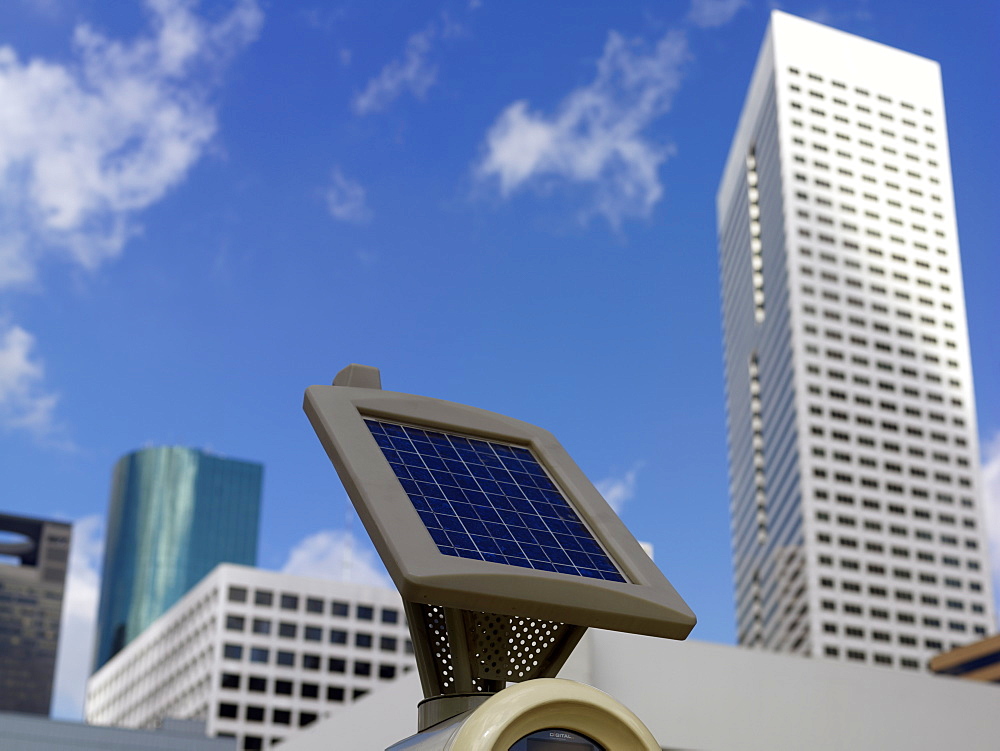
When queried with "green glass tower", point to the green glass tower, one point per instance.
{"points": [[174, 514]]}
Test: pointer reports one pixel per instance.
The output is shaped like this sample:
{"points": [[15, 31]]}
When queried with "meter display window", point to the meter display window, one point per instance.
{"points": [[554, 739]]}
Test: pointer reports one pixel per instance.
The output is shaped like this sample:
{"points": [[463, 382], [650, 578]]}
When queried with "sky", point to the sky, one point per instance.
{"points": [[207, 207]]}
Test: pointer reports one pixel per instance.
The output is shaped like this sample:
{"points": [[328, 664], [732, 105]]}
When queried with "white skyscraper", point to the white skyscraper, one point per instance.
{"points": [[857, 520]]}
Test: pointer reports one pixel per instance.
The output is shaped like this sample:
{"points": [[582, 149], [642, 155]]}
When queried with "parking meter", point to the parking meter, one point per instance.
{"points": [[504, 553]]}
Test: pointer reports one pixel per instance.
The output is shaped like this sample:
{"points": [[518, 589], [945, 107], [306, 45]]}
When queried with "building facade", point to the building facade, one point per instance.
{"points": [[174, 514], [34, 554], [256, 655], [857, 519]]}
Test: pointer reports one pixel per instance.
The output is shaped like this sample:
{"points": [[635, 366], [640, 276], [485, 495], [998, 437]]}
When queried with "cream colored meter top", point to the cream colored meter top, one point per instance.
{"points": [[547, 714]]}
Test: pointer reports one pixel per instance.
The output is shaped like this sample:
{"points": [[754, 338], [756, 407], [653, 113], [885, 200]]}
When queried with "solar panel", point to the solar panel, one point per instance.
{"points": [[513, 526], [490, 501]]}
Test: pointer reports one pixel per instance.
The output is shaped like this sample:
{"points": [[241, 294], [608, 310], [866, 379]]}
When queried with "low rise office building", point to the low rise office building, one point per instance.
{"points": [[256, 655]]}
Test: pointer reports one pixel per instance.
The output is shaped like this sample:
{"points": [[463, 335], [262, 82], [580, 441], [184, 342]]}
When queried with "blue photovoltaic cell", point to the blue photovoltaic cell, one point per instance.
{"points": [[490, 501]]}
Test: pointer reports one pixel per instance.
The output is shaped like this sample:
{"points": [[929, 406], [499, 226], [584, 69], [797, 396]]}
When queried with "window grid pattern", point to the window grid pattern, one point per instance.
{"points": [[888, 409], [772, 606], [756, 256], [257, 655]]}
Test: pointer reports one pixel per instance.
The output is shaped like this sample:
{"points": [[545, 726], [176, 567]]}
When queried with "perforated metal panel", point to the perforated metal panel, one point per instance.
{"points": [[437, 631], [514, 649], [467, 652]]}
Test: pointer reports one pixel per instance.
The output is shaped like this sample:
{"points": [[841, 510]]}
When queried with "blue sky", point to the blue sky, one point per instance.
{"points": [[205, 208]]}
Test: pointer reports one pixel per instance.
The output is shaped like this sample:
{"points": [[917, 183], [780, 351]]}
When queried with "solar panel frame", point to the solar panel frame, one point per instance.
{"points": [[644, 603]]}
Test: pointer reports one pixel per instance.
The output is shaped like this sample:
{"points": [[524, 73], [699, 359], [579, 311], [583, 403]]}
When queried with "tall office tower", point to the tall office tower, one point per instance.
{"points": [[174, 514], [34, 554], [257, 655], [857, 521]]}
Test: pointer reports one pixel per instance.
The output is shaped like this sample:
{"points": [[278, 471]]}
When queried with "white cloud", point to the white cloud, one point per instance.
{"points": [[711, 13], [345, 199], [336, 554], [87, 144], [619, 490], [412, 73], [79, 616], [24, 403], [596, 136], [991, 497]]}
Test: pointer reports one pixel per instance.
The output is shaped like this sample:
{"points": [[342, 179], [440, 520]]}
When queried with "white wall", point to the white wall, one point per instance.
{"points": [[711, 697], [715, 697]]}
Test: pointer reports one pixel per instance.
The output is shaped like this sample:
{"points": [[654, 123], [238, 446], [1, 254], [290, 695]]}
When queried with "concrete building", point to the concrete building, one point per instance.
{"points": [[34, 554], [174, 514], [256, 655], [857, 517], [712, 697]]}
